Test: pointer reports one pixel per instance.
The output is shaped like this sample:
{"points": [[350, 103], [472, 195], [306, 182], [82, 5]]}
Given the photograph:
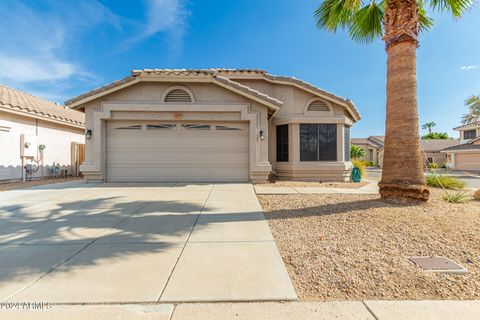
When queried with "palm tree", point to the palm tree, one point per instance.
{"points": [[429, 126], [397, 23], [473, 104], [357, 152]]}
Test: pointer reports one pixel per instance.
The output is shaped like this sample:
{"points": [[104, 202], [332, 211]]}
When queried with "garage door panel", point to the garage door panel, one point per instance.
{"points": [[195, 155], [171, 174], [168, 158], [180, 142], [469, 161]]}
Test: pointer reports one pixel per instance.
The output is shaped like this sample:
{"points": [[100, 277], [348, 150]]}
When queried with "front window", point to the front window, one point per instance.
{"points": [[469, 134], [347, 143], [318, 142], [282, 143]]}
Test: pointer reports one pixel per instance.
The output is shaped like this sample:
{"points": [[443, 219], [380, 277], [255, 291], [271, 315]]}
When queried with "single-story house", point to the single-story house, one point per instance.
{"points": [[215, 125], [37, 134], [432, 150], [465, 156], [371, 145]]}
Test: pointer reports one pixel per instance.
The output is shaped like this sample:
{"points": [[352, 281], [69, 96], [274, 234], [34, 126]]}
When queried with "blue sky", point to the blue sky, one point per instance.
{"points": [[59, 49]]}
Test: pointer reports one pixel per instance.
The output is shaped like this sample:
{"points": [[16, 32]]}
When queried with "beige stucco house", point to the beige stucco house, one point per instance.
{"points": [[465, 156], [36, 133], [372, 147], [214, 125]]}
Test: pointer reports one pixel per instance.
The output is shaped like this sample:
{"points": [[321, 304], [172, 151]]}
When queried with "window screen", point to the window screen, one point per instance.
{"points": [[469, 134], [346, 143], [318, 142], [282, 143]]}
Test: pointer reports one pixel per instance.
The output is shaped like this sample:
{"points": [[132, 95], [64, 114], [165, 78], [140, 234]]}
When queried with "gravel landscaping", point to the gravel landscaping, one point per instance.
{"points": [[354, 247], [28, 184], [343, 185]]}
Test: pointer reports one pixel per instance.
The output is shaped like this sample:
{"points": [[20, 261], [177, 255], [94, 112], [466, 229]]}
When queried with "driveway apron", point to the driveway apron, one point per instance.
{"points": [[142, 242]]}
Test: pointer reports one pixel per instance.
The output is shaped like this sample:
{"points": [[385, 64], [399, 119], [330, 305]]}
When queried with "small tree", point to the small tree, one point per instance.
{"points": [[429, 126], [356, 152]]}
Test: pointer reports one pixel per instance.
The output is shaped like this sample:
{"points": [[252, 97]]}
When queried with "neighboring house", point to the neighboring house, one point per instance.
{"points": [[432, 150], [465, 156], [215, 125], [372, 146], [36, 133]]}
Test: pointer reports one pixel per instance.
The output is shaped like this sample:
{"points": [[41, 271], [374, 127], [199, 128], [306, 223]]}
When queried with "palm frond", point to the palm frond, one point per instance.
{"points": [[367, 23], [473, 103], [426, 23], [456, 7], [332, 14]]}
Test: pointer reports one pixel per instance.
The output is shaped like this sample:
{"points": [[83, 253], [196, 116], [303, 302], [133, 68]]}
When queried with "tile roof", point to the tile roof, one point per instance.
{"points": [[437, 144], [217, 73], [27, 104], [465, 146], [475, 124], [372, 141], [248, 90]]}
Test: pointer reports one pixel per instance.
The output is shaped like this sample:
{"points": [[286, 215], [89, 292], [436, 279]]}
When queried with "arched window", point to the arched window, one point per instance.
{"points": [[178, 95], [318, 105]]}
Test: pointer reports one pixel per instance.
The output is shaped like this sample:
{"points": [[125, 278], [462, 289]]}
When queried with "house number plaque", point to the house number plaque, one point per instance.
{"points": [[177, 116]]}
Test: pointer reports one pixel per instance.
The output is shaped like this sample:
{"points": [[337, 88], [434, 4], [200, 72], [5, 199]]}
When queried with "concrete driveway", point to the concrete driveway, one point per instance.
{"points": [[170, 242]]}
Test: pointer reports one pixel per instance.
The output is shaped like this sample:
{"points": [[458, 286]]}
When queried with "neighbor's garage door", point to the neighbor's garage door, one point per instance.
{"points": [[156, 151], [467, 161]]}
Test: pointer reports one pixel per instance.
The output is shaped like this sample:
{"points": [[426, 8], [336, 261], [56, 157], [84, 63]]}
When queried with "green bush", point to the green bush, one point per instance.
{"points": [[456, 197], [444, 182], [361, 165], [436, 136], [371, 164]]}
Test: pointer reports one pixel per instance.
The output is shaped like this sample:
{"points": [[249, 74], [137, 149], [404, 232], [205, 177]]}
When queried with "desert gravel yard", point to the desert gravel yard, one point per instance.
{"points": [[354, 247], [314, 184], [33, 183]]}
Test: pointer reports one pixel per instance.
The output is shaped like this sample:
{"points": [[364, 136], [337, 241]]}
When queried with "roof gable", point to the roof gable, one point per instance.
{"points": [[223, 77], [168, 75], [19, 102]]}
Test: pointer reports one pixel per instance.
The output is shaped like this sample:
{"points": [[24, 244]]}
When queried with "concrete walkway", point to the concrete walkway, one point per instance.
{"points": [[371, 188], [137, 243], [344, 310]]}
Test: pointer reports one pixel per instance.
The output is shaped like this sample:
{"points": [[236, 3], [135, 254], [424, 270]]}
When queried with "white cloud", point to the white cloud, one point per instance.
{"points": [[163, 16], [36, 42], [471, 67]]}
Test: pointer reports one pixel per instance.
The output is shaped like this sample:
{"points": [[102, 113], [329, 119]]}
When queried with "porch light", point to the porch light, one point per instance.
{"points": [[261, 135], [88, 134]]}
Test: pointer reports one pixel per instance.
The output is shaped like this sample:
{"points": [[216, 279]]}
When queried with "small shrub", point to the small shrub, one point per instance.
{"points": [[371, 164], [444, 182], [433, 165], [361, 165], [456, 197], [476, 195]]}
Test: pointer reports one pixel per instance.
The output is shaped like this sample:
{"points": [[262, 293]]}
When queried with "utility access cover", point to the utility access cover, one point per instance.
{"points": [[438, 264]]}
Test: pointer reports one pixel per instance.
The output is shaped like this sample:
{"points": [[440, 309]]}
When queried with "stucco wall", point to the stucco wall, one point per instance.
{"points": [[294, 100], [57, 139], [206, 94]]}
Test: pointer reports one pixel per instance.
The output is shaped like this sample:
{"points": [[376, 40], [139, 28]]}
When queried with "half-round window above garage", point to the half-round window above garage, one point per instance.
{"points": [[178, 95], [318, 105]]}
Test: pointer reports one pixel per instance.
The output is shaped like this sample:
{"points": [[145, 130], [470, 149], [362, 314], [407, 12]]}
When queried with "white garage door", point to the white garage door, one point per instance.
{"points": [[177, 151]]}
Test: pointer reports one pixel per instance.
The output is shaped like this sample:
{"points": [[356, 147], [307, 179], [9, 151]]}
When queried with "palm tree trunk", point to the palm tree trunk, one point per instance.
{"points": [[402, 165]]}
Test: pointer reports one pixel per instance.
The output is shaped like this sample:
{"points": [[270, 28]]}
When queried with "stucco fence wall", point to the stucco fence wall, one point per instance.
{"points": [[57, 139]]}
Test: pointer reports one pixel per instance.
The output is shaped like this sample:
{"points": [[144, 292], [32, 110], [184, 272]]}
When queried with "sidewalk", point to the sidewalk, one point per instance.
{"points": [[342, 310], [371, 188]]}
